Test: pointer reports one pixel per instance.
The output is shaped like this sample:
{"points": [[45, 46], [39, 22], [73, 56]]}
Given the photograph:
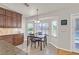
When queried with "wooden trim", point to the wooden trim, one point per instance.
{"points": [[64, 52], [61, 51]]}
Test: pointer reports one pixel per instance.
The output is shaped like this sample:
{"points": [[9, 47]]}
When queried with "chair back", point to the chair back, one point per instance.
{"points": [[45, 38]]}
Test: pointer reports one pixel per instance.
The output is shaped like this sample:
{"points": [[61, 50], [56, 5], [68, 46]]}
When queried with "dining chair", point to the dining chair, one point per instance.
{"points": [[29, 38]]}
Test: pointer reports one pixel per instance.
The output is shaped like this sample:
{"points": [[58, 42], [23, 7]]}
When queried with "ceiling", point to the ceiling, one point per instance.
{"points": [[43, 7]]}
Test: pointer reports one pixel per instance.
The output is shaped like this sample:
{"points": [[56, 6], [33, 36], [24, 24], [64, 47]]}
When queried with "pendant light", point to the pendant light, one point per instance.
{"points": [[37, 20]]}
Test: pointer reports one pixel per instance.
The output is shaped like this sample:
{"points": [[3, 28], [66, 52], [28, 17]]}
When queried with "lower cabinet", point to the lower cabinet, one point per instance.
{"points": [[15, 39], [8, 39], [18, 39]]}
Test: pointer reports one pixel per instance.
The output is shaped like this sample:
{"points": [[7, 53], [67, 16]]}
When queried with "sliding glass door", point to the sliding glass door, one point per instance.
{"points": [[75, 33]]}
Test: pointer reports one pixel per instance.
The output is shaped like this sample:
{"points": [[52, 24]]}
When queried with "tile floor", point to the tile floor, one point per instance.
{"points": [[49, 50]]}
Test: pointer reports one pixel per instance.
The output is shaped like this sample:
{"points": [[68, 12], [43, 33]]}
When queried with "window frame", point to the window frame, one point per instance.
{"points": [[56, 29]]}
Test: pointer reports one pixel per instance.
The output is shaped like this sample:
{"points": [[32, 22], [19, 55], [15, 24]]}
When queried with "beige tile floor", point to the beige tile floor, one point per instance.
{"points": [[9, 49], [48, 50]]}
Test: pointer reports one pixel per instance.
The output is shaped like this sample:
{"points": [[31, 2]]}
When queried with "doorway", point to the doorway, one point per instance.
{"points": [[75, 32]]}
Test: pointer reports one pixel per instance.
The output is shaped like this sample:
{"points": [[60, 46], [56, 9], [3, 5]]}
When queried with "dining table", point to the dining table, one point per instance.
{"points": [[37, 38]]}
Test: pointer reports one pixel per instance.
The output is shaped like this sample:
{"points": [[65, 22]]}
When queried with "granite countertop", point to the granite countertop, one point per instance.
{"points": [[10, 34], [8, 49]]}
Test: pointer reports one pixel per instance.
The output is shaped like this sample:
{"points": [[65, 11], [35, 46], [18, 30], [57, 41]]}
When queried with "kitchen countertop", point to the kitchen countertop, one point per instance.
{"points": [[11, 34], [8, 49]]}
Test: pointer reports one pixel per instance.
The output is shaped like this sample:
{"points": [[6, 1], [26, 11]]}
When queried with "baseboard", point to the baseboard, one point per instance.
{"points": [[53, 44], [59, 47]]}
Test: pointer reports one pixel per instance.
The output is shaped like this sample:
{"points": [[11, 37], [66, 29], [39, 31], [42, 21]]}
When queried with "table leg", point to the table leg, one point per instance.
{"points": [[35, 44], [31, 43], [44, 44], [27, 41], [41, 46], [38, 43]]}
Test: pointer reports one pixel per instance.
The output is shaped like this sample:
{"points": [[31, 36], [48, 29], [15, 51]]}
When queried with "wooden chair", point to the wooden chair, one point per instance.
{"points": [[29, 37]]}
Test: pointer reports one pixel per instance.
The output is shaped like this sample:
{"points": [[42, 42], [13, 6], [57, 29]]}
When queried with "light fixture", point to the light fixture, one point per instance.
{"points": [[37, 20], [26, 4]]}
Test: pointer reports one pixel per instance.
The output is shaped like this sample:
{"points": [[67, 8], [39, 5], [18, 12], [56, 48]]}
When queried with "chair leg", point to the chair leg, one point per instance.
{"points": [[27, 42], [35, 44], [31, 43], [40, 45], [44, 44]]}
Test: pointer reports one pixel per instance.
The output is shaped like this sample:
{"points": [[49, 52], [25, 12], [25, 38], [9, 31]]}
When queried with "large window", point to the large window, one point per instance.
{"points": [[54, 28], [41, 27]]}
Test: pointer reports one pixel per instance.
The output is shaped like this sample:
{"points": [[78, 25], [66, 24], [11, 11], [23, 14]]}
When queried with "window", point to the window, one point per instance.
{"points": [[54, 28], [30, 28], [41, 27]]}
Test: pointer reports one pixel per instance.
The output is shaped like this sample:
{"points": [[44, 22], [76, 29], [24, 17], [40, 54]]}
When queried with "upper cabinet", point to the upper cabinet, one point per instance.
{"points": [[2, 11], [2, 17], [16, 19], [19, 21], [2, 21], [10, 19]]}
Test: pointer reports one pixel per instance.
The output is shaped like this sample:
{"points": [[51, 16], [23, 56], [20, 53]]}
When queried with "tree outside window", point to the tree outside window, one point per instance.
{"points": [[54, 28], [30, 28]]}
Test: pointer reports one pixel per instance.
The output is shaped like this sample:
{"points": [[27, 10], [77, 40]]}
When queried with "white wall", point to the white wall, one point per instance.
{"points": [[64, 39]]}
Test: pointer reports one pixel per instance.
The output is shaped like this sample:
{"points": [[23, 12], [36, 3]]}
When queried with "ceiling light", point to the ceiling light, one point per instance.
{"points": [[37, 20], [26, 4]]}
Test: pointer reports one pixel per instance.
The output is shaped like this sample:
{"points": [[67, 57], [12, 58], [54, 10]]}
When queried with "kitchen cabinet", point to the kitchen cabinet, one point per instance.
{"points": [[8, 22], [10, 19], [8, 13], [18, 39], [2, 21], [14, 39], [19, 21], [16, 20], [8, 38], [2, 11]]}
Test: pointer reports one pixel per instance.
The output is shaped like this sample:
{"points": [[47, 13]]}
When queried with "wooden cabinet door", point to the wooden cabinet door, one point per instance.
{"points": [[2, 11], [14, 18], [2, 21], [19, 21], [14, 22], [9, 39], [8, 22], [10, 19], [14, 14], [8, 13], [15, 39], [18, 39]]}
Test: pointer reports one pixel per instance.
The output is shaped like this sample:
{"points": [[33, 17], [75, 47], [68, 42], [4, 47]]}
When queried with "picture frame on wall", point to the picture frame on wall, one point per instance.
{"points": [[64, 22]]}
